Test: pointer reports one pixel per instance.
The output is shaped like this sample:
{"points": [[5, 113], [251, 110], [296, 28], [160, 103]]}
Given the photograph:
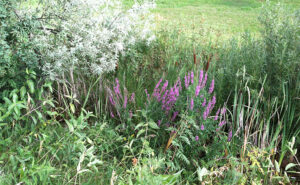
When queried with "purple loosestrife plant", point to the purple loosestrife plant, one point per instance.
{"points": [[174, 116], [229, 136], [189, 78], [159, 123], [200, 78], [125, 102], [222, 123], [112, 100], [112, 114], [132, 97], [192, 104], [204, 102], [197, 91], [217, 115], [156, 92], [117, 88], [186, 83], [204, 81], [212, 85], [148, 95], [164, 86], [223, 111]]}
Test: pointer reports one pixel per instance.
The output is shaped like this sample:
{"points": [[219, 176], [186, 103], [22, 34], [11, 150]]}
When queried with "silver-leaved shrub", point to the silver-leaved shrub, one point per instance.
{"points": [[86, 37]]}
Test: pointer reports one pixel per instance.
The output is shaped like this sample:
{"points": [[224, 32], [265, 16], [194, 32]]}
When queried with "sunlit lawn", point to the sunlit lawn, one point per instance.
{"points": [[223, 17]]}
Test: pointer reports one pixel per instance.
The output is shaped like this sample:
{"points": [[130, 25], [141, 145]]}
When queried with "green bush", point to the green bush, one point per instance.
{"points": [[17, 52]]}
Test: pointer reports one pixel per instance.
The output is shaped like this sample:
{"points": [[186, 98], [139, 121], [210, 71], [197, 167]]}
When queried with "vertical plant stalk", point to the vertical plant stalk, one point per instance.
{"points": [[89, 91]]}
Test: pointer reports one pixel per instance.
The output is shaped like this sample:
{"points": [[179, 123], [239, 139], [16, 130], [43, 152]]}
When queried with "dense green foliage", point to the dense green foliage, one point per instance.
{"points": [[186, 108], [16, 50]]}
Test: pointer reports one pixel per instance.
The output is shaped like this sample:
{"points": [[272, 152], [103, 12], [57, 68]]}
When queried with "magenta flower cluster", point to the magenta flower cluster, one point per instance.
{"points": [[167, 97]]}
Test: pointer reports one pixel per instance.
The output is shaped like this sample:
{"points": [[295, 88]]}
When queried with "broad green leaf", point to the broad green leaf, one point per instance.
{"points": [[15, 97], [71, 128], [72, 107], [290, 165], [153, 125], [277, 166], [140, 132], [3, 124], [22, 92], [139, 125], [31, 86]]}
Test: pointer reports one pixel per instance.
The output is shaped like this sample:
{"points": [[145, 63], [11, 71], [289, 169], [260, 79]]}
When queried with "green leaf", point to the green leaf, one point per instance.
{"points": [[72, 107], [31, 86], [277, 166], [3, 124], [144, 113], [140, 132], [153, 125], [15, 97], [201, 173], [139, 125], [290, 165], [22, 92], [71, 128]]}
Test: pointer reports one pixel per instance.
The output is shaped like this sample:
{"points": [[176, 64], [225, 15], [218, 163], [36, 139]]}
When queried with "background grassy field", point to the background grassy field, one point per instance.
{"points": [[223, 18]]}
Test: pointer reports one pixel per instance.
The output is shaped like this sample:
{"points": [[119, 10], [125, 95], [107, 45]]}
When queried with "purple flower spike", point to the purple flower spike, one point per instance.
{"points": [[229, 136], [192, 104], [174, 116], [204, 103], [156, 90], [206, 112], [158, 84], [189, 78], [197, 91], [148, 96], [217, 115], [112, 100], [125, 102], [200, 77], [204, 81], [159, 123], [186, 82], [132, 97], [212, 103], [117, 88], [223, 111], [212, 85], [202, 127], [222, 123], [130, 114], [177, 91], [112, 114], [197, 138]]}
